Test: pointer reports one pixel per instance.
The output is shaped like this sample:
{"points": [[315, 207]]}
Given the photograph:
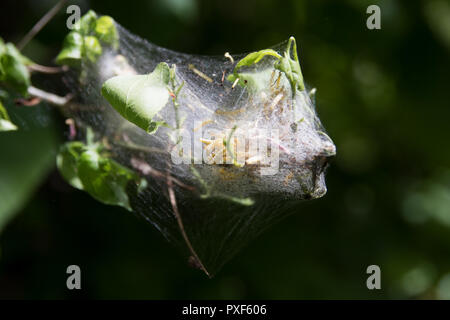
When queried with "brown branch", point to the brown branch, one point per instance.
{"points": [[147, 170], [29, 102], [173, 202], [48, 70], [40, 24], [58, 101], [49, 97]]}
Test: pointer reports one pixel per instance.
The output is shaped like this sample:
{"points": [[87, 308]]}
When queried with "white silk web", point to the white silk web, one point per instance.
{"points": [[233, 156]]}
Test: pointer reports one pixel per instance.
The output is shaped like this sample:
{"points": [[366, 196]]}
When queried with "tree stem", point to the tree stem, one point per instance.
{"points": [[44, 69], [49, 97], [40, 24]]}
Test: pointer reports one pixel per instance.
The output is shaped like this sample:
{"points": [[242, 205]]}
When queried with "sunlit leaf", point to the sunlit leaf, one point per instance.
{"points": [[72, 51], [138, 98], [84, 42], [6, 125], [255, 57], [106, 32], [87, 23], [291, 67], [67, 163], [13, 70], [3, 113], [11, 48], [254, 81], [92, 48]]}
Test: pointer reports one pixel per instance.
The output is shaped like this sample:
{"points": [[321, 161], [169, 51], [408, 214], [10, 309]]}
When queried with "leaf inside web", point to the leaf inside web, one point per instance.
{"points": [[138, 98]]}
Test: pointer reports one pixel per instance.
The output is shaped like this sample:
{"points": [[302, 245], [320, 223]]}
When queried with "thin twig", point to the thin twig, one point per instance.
{"points": [[147, 170], [49, 97], [44, 69], [40, 24], [29, 102], [173, 202], [199, 73], [72, 128], [228, 56]]}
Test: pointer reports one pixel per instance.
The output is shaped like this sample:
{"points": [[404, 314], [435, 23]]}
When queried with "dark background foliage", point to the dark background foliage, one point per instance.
{"points": [[383, 98]]}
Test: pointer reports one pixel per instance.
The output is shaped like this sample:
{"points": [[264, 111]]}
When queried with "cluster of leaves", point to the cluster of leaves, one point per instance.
{"points": [[85, 42], [138, 98], [286, 64], [13, 68], [86, 167], [15, 75]]}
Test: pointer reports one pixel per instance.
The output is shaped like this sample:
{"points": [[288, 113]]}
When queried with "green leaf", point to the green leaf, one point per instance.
{"points": [[254, 81], [85, 168], [254, 58], [106, 31], [67, 163], [72, 51], [11, 48], [138, 98], [6, 125], [2, 46], [87, 23], [13, 70], [3, 113], [92, 48], [84, 42], [76, 47], [291, 67], [104, 179]]}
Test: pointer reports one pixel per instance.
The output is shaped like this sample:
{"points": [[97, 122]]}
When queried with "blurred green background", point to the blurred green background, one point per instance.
{"points": [[383, 98]]}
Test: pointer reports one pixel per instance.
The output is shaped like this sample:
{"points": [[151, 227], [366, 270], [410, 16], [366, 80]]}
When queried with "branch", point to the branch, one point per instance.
{"points": [[173, 202], [49, 97], [44, 69], [146, 170], [40, 24]]}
